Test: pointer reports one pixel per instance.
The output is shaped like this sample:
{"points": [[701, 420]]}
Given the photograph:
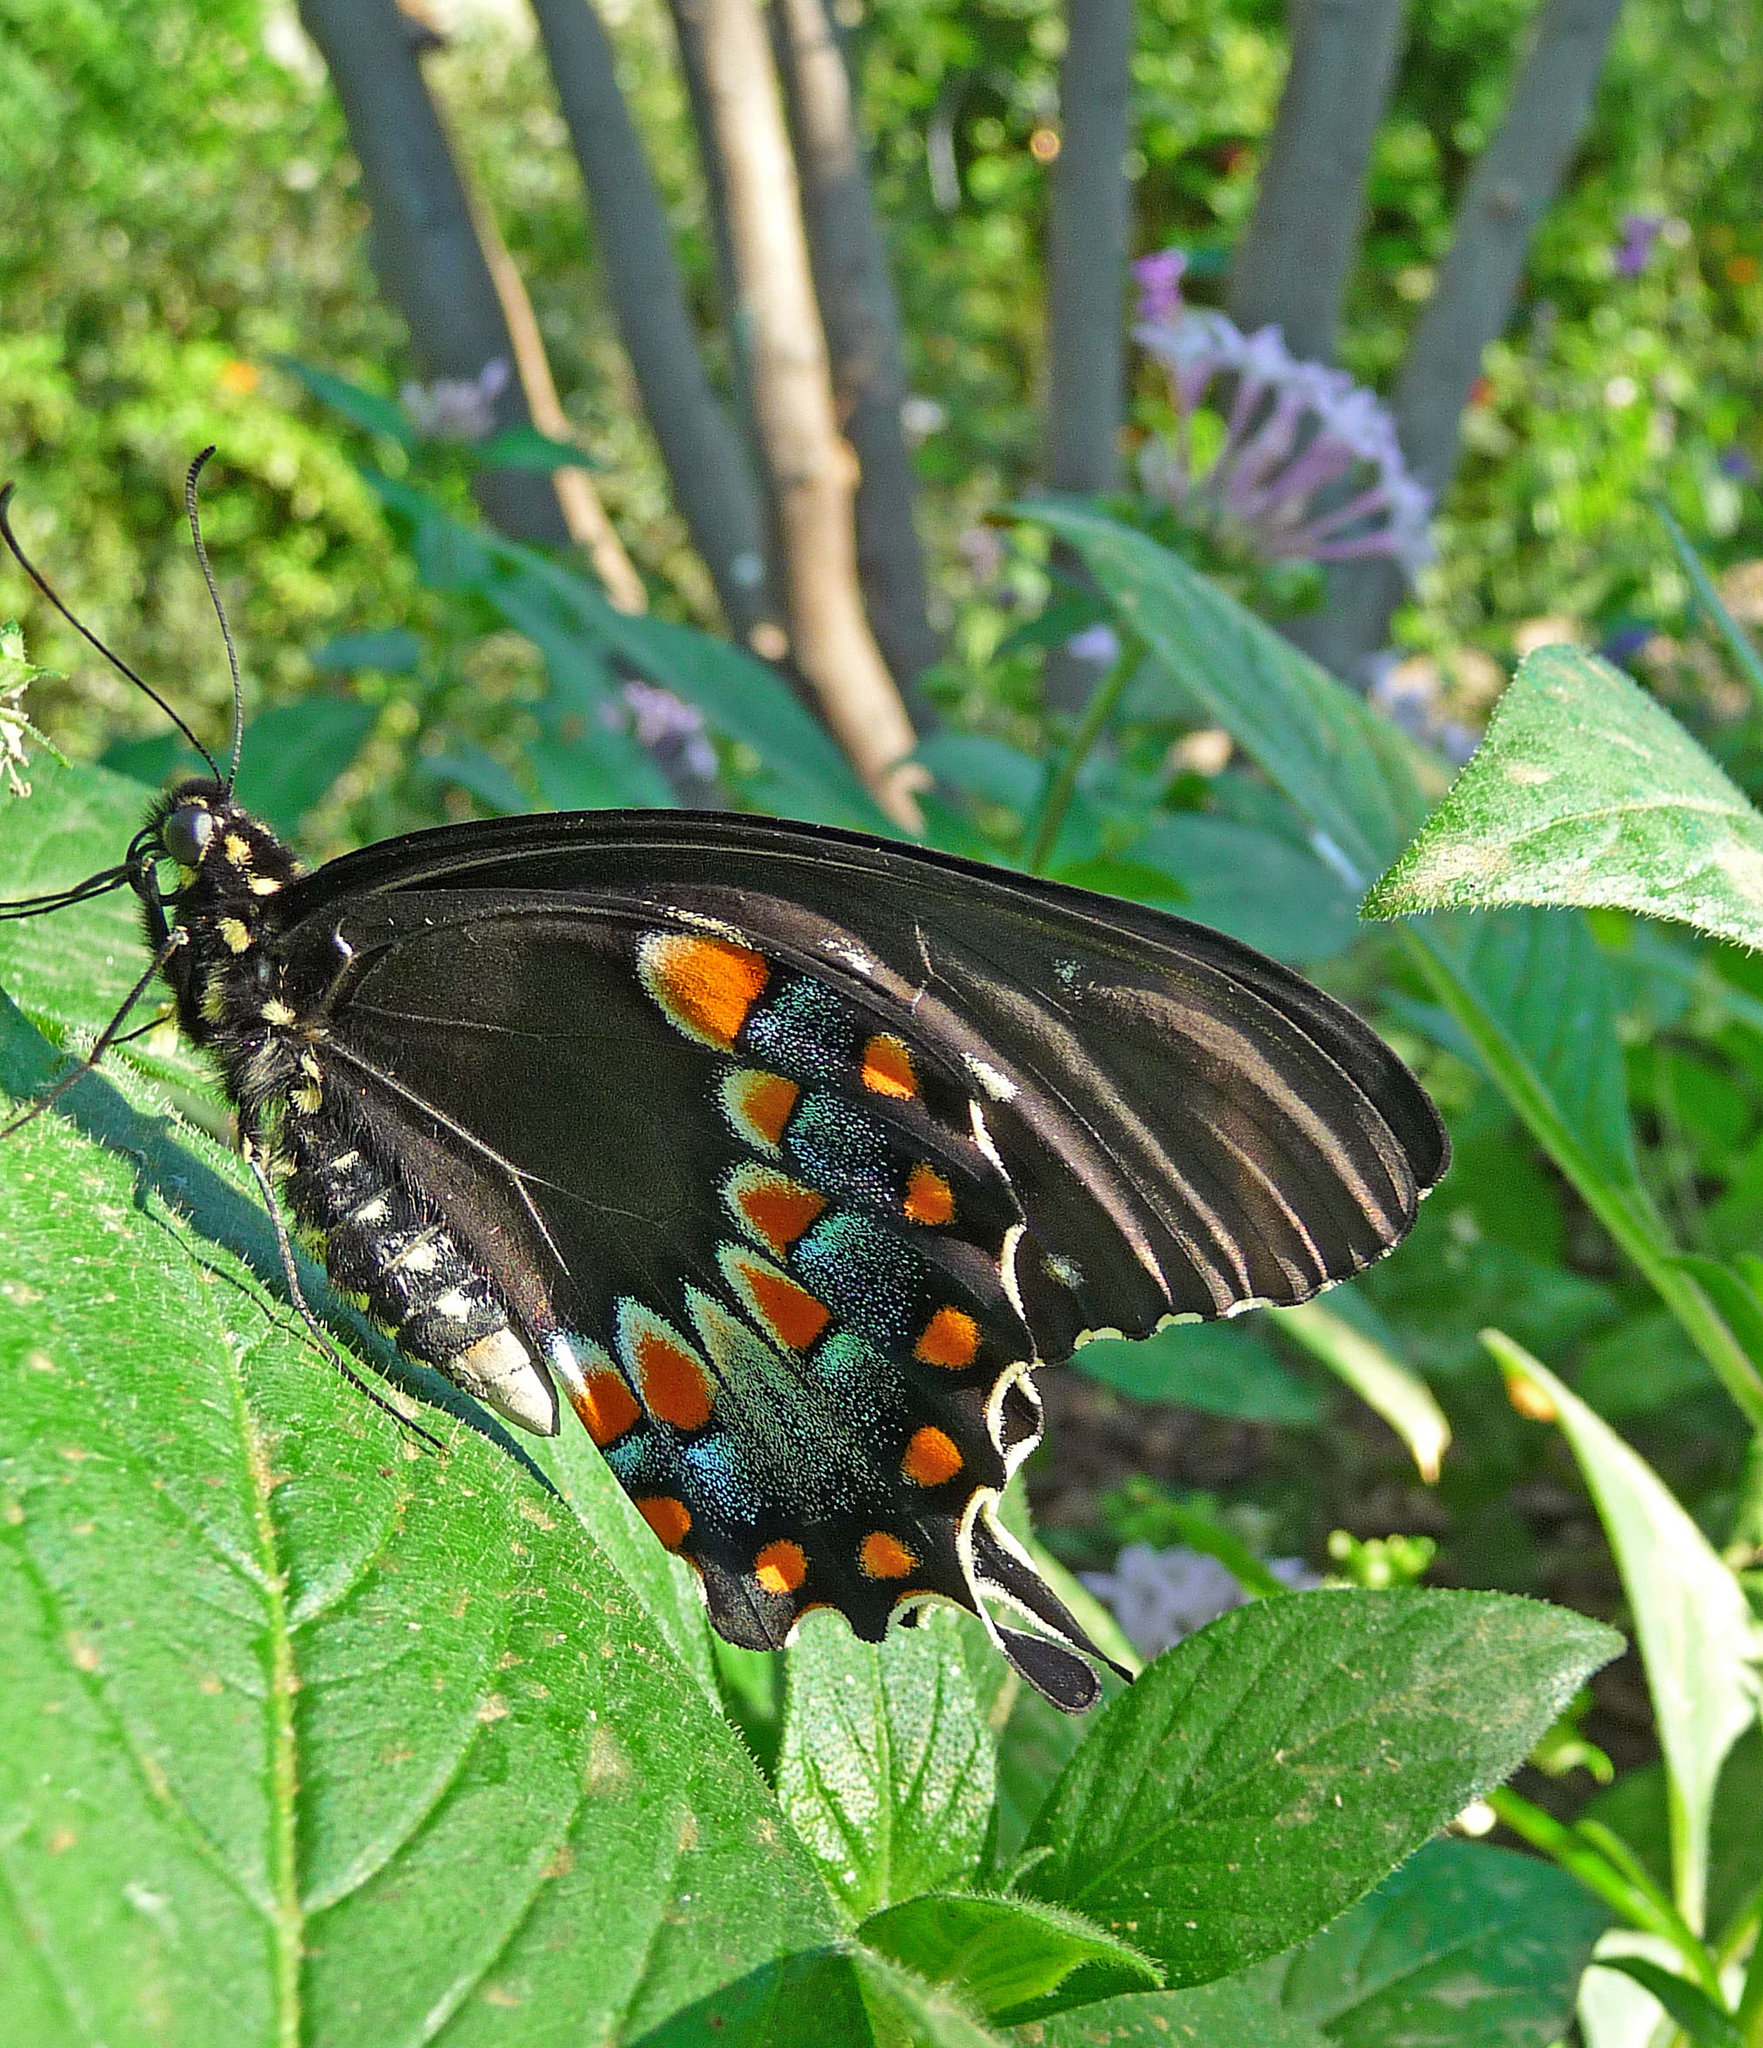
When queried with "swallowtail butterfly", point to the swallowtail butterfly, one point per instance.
{"points": [[783, 1156]]}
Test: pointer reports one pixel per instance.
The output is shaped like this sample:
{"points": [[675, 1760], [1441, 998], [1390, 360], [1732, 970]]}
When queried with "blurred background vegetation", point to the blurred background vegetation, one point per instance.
{"points": [[183, 220]]}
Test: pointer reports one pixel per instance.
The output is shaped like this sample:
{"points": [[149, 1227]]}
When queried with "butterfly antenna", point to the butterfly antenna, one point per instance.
{"points": [[115, 660], [226, 634]]}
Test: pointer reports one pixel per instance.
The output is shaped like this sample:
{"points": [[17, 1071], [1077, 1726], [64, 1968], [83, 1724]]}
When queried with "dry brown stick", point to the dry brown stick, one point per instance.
{"points": [[862, 315], [812, 470]]}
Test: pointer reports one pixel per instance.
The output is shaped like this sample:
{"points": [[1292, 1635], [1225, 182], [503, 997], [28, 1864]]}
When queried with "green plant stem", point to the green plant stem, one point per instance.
{"points": [[1749, 1919], [1641, 1904], [1624, 1211], [1091, 726], [1745, 1925], [1750, 666]]}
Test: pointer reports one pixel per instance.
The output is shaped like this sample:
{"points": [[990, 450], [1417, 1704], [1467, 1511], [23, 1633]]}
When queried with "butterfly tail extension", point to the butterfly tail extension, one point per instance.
{"points": [[999, 1569]]}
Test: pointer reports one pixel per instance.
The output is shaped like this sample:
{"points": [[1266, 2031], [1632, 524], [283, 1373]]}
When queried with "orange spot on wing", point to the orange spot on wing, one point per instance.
{"points": [[706, 986], [950, 1338], [607, 1407], [929, 1198], [793, 1315], [765, 1102], [778, 1210], [780, 1567], [673, 1382], [887, 1068], [884, 1557], [931, 1457], [670, 1519]]}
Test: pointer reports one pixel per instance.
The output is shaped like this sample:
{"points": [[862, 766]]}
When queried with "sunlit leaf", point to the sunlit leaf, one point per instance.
{"points": [[1586, 791], [1360, 1360], [1357, 781], [886, 1766], [306, 1735], [1464, 1947]]}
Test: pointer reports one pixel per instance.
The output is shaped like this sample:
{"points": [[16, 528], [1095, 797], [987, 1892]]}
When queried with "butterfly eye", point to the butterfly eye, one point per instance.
{"points": [[186, 833]]}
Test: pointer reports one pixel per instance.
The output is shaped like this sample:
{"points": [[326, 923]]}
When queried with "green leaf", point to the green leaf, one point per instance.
{"points": [[393, 652], [478, 772], [1215, 1367], [886, 1768], [295, 752], [304, 1734], [368, 409], [524, 447], [1236, 2012], [1734, 1296], [1637, 1808], [1253, 884], [830, 1998], [291, 756], [72, 970], [1464, 1947], [1011, 1959], [1686, 2003], [1529, 991], [1529, 994], [1357, 781], [1269, 1770], [1360, 1360], [1036, 1743], [1586, 791], [978, 765], [740, 696], [1697, 1636]]}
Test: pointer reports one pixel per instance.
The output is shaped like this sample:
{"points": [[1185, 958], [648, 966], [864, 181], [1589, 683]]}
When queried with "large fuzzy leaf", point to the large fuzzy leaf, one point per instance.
{"points": [[306, 1731], [1270, 1770]]}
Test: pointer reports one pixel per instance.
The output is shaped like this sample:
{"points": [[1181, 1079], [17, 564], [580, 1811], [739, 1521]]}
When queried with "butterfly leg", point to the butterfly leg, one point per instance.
{"points": [[314, 1329]]}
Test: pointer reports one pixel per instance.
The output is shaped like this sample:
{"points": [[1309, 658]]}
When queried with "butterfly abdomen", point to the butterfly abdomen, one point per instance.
{"points": [[380, 1243]]}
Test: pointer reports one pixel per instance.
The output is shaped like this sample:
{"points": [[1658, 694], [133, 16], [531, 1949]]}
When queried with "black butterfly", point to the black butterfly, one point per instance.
{"points": [[783, 1155]]}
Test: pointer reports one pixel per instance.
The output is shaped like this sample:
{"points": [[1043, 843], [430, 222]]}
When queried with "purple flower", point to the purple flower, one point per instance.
{"points": [[1639, 231], [1160, 1596], [1159, 279], [1736, 463], [671, 729], [455, 408], [1310, 470], [1100, 644]]}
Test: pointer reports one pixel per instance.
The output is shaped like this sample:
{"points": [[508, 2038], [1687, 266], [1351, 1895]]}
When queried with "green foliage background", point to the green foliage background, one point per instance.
{"points": [[177, 206]]}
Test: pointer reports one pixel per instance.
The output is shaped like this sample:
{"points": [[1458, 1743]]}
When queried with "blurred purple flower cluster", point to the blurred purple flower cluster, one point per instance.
{"points": [[1634, 250], [671, 729], [456, 408], [1161, 1596], [1310, 469]]}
